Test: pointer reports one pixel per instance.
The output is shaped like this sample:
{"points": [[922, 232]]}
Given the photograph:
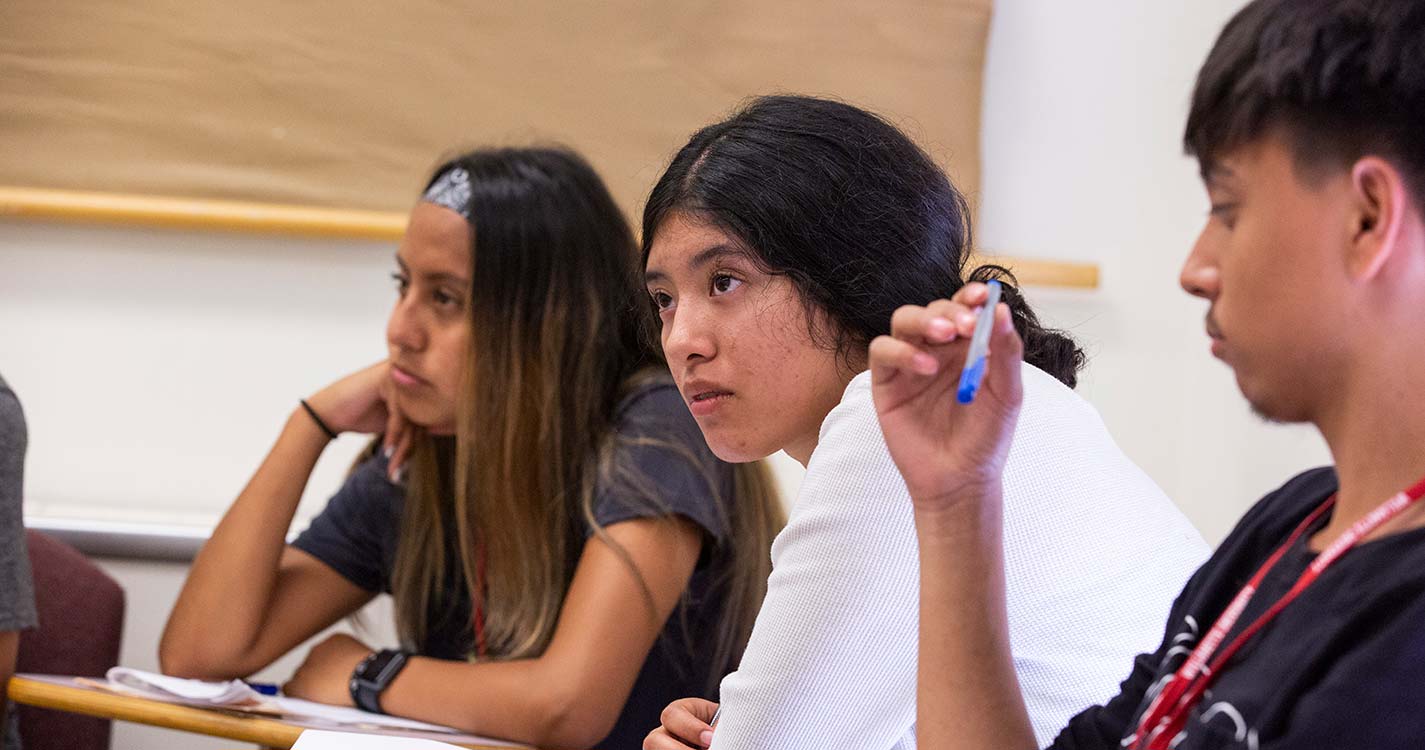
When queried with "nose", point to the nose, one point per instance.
{"points": [[688, 335], [405, 330], [1200, 276]]}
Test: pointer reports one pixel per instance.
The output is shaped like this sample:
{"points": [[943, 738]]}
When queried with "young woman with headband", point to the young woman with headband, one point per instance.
{"points": [[564, 553]]}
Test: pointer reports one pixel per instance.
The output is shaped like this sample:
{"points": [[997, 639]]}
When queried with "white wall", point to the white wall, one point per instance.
{"points": [[156, 367]]}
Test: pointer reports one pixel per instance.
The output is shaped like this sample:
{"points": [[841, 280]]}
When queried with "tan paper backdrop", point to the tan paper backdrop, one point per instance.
{"points": [[325, 103]]}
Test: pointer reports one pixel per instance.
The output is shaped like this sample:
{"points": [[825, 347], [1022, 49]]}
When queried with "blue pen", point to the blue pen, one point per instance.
{"points": [[974, 372], [263, 688]]}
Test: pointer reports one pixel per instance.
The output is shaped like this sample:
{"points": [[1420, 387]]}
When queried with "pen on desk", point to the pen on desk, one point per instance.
{"points": [[263, 688], [974, 372]]}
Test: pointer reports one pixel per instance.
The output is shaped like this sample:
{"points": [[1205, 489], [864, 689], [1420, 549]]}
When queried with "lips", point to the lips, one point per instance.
{"points": [[705, 397], [406, 378], [1219, 342]]}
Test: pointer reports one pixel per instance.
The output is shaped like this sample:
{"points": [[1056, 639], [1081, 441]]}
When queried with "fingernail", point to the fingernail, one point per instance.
{"points": [[925, 364], [705, 737], [388, 451], [941, 328], [400, 476]]}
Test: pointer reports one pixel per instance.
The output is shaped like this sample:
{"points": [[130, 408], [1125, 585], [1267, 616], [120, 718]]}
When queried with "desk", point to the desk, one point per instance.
{"points": [[61, 694]]}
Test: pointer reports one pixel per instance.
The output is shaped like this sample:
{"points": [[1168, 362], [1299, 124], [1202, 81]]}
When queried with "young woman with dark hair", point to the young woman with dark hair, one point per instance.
{"points": [[564, 552], [777, 245]]}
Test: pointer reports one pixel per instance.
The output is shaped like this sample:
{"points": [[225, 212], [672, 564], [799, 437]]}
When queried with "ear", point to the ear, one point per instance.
{"points": [[1379, 210]]}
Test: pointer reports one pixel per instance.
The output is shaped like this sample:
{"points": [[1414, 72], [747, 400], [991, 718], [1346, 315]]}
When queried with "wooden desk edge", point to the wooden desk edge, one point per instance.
{"points": [[92, 702]]}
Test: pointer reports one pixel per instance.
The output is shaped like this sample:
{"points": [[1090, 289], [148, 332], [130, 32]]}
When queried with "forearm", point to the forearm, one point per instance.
{"points": [[968, 695], [220, 610], [527, 700]]}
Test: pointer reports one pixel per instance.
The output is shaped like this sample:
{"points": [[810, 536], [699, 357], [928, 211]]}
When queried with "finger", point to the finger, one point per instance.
{"points": [[401, 453], [394, 424], [972, 294], [683, 724], [933, 323], [890, 357], [659, 739]]}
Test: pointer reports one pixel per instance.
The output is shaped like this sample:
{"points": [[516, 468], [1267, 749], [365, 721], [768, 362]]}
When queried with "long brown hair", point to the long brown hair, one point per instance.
{"points": [[559, 333]]}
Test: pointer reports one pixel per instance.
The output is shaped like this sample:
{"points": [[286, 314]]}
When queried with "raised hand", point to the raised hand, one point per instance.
{"points": [[944, 448]]}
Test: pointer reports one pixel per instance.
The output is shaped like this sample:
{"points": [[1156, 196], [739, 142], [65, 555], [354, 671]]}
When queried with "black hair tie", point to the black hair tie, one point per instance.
{"points": [[313, 412]]}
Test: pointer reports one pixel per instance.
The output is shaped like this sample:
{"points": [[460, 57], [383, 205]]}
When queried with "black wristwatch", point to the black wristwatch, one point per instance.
{"points": [[373, 675]]}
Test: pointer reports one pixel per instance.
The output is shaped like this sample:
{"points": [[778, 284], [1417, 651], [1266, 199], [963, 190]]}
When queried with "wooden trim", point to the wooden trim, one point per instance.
{"points": [[257, 730], [272, 218], [54, 693], [188, 213]]}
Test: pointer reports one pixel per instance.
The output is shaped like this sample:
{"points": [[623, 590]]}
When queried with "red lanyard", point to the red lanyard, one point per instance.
{"points": [[1168, 712]]}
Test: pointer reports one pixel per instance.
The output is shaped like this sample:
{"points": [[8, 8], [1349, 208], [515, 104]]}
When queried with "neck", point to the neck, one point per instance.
{"points": [[1376, 434]]}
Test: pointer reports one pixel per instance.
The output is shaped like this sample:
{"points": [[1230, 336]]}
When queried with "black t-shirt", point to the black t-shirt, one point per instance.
{"points": [[357, 533], [1340, 668]]}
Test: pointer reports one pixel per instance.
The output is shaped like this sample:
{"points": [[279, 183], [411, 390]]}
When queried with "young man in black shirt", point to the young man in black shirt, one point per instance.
{"points": [[1306, 629]]}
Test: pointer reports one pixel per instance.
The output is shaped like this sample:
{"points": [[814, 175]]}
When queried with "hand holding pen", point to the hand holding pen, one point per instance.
{"points": [[947, 388]]}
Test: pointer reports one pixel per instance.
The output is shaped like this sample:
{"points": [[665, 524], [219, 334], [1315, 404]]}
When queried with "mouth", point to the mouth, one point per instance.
{"points": [[707, 400], [1215, 334], [405, 378]]}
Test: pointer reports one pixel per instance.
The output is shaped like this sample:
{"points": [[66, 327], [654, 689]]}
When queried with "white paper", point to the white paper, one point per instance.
{"points": [[230, 693], [352, 717], [317, 739]]}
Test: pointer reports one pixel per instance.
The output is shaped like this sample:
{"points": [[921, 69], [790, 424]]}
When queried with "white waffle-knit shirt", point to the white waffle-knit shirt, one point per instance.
{"points": [[1094, 555]]}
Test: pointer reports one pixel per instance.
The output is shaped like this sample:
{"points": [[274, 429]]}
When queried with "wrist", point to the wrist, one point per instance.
{"points": [[964, 509], [373, 675]]}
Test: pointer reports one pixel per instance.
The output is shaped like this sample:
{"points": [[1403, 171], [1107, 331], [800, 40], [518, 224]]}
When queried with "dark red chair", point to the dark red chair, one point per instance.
{"points": [[81, 613]]}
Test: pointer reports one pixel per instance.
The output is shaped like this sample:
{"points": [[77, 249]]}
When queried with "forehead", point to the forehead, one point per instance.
{"points": [[437, 239], [1267, 161], [682, 240]]}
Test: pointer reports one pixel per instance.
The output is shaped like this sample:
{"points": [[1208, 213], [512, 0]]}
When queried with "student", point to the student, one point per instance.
{"points": [[564, 553], [776, 245], [1306, 121], [17, 595]]}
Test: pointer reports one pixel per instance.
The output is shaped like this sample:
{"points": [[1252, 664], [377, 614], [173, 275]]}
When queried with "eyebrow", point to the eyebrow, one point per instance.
{"points": [[1214, 172], [438, 277], [703, 258]]}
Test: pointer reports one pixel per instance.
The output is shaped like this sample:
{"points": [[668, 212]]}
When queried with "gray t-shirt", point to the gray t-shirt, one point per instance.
{"points": [[17, 594]]}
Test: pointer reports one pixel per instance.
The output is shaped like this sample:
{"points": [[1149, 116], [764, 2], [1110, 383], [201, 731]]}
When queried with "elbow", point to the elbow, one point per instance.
{"points": [[577, 719], [178, 658]]}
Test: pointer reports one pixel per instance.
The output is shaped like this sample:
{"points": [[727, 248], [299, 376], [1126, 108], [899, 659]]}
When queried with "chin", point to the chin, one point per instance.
{"points": [[1271, 407], [735, 451]]}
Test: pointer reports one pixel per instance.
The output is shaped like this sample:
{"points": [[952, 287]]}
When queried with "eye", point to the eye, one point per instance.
{"points": [[402, 283], [1225, 213], [662, 301], [723, 283], [446, 299]]}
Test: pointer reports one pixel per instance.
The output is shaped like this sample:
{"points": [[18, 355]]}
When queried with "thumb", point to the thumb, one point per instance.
{"points": [[1006, 356]]}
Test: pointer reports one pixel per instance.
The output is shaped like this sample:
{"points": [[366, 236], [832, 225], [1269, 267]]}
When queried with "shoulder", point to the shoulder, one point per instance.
{"points": [[1273, 517], [12, 417], [367, 492], [654, 403]]}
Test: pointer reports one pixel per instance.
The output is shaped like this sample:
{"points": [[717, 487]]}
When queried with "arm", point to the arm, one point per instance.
{"points": [[572, 695], [249, 598], [952, 457]]}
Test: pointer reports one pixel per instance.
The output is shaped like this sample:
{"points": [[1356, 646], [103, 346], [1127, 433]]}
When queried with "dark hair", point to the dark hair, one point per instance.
{"points": [[559, 328], [844, 204], [1341, 78]]}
